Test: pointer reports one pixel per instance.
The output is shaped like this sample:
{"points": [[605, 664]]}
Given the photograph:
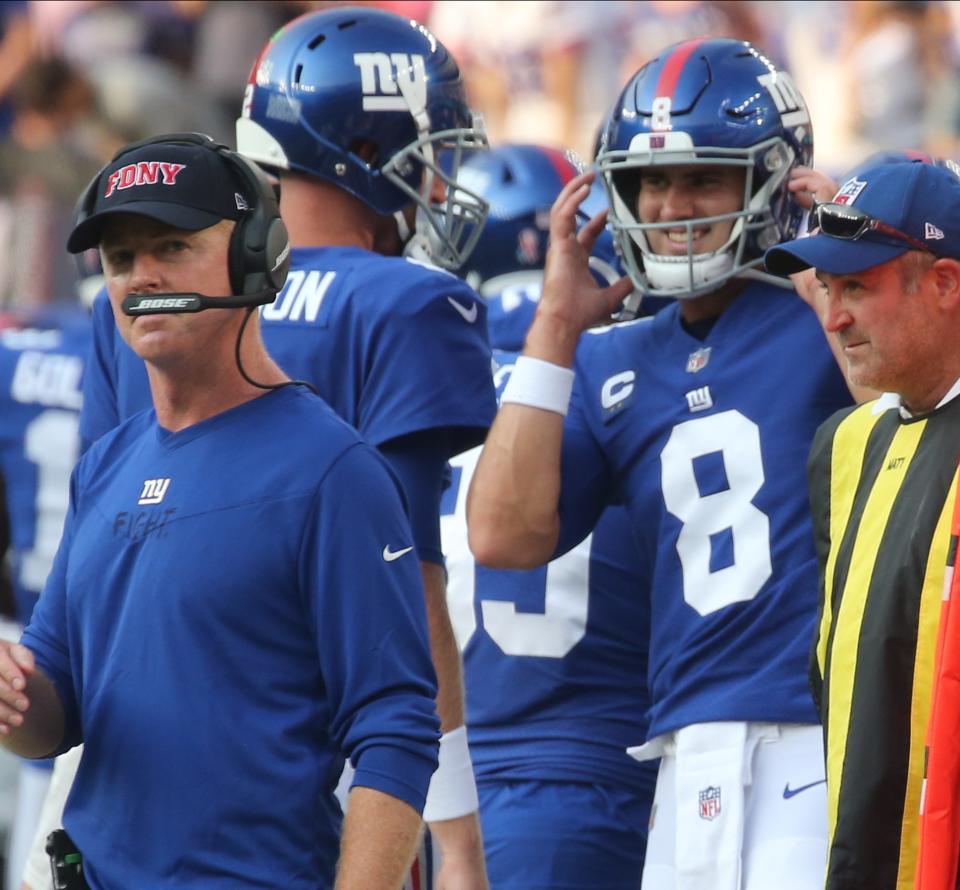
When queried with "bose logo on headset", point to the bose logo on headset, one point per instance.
{"points": [[164, 303]]}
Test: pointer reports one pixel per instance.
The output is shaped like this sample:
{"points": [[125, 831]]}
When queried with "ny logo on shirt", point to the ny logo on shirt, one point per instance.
{"points": [[394, 82], [153, 491], [699, 399]]}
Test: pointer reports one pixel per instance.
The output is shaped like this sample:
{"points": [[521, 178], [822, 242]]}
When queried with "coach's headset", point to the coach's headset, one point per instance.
{"points": [[258, 256], [259, 251]]}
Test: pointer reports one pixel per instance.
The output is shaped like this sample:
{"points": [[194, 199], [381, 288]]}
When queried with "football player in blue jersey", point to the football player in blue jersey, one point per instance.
{"points": [[554, 659], [235, 604], [362, 115], [699, 421], [41, 365]]}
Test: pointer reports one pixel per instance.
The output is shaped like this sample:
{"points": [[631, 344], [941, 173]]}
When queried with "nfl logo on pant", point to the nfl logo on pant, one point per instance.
{"points": [[709, 802]]}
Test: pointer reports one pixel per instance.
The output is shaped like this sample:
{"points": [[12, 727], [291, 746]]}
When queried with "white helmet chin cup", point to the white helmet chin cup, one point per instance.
{"points": [[687, 276], [753, 226]]}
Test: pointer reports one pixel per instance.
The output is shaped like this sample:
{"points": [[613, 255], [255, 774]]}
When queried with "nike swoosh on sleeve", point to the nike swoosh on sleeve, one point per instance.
{"points": [[390, 555], [467, 313]]}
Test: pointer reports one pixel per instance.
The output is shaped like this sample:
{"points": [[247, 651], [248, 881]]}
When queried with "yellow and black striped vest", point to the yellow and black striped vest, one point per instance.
{"points": [[882, 492]]}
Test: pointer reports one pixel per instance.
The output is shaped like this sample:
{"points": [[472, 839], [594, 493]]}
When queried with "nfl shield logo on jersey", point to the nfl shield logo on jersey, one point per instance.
{"points": [[698, 360], [710, 802]]}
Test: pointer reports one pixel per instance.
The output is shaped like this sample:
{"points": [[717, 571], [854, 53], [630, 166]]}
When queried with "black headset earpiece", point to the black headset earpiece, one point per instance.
{"points": [[260, 246], [259, 254]]}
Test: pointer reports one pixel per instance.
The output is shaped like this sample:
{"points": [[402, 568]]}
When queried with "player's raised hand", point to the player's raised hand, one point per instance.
{"points": [[808, 185], [571, 300], [16, 668]]}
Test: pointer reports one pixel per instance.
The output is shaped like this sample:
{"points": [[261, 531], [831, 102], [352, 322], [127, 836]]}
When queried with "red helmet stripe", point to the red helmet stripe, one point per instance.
{"points": [[561, 163], [670, 73]]}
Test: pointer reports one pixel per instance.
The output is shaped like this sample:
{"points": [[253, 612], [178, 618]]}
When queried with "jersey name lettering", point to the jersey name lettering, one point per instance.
{"points": [[301, 296], [47, 379]]}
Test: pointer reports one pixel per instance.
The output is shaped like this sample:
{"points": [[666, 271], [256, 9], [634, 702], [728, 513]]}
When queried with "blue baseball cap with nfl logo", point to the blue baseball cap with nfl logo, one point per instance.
{"points": [[878, 214]]}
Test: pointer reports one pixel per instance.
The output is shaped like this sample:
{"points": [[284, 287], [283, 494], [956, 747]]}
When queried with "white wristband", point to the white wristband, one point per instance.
{"points": [[539, 384], [453, 790]]}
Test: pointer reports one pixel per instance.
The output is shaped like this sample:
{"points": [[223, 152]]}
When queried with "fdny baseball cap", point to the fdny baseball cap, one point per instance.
{"points": [[879, 214], [185, 185]]}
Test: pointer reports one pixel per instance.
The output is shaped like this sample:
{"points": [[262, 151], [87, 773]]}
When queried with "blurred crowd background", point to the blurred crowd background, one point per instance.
{"points": [[79, 78]]}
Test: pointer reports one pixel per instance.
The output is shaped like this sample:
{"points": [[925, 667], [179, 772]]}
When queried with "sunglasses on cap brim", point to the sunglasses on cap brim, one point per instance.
{"points": [[850, 224]]}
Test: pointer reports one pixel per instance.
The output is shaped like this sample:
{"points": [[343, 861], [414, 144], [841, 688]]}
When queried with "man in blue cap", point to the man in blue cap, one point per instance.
{"points": [[234, 607], [882, 486]]}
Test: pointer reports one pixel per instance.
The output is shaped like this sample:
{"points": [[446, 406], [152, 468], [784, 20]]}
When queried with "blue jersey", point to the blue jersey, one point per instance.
{"points": [[222, 620], [393, 346], [706, 444], [40, 398], [510, 309], [555, 659]]}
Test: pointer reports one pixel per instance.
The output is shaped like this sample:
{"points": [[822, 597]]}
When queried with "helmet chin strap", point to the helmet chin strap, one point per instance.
{"points": [[417, 251], [403, 230], [416, 243]]}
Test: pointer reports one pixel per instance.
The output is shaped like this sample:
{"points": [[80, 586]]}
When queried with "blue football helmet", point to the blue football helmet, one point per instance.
{"points": [[373, 103], [710, 102], [520, 182]]}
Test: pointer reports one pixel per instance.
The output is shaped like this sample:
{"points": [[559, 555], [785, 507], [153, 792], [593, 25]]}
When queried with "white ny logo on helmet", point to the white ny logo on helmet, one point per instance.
{"points": [[394, 82], [787, 98]]}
